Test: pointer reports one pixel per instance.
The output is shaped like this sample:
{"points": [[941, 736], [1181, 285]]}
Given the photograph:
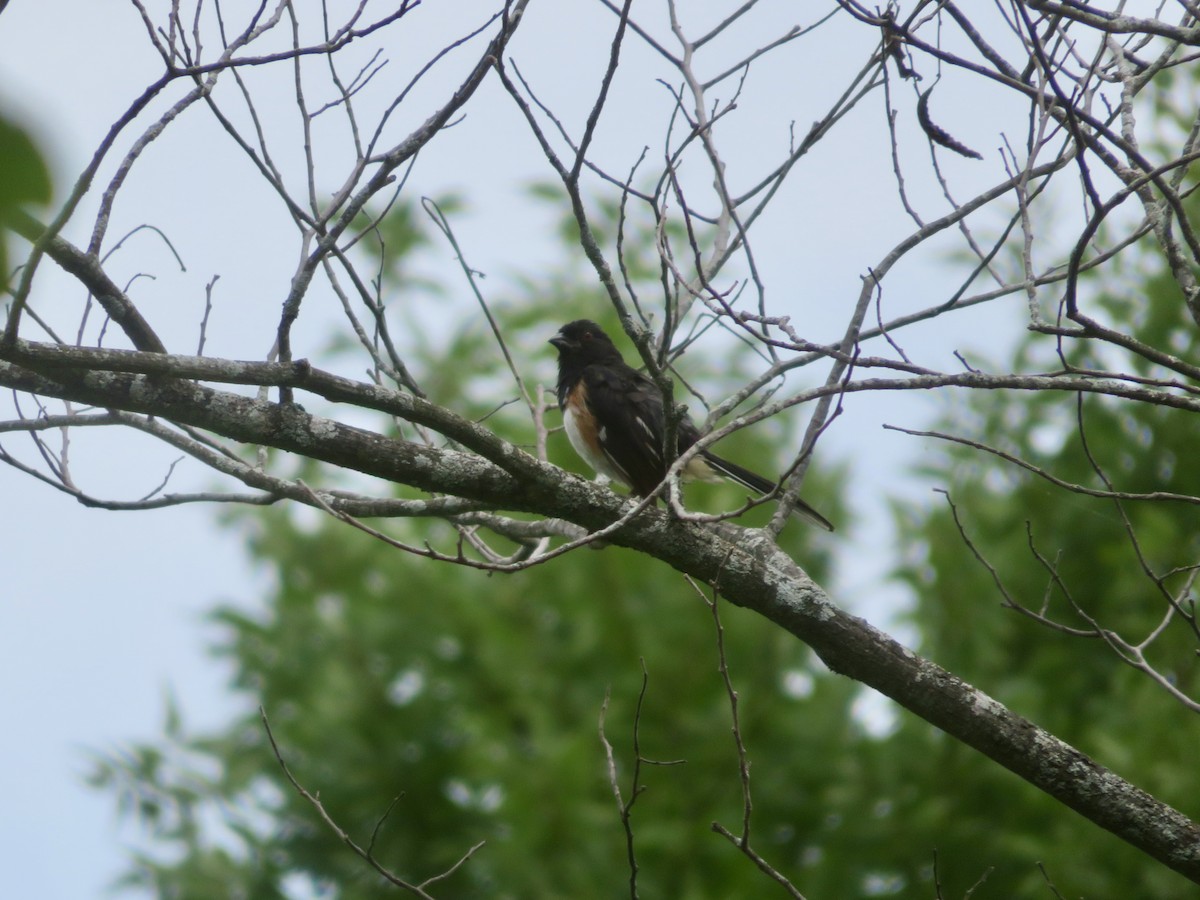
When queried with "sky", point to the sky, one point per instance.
{"points": [[102, 613]]}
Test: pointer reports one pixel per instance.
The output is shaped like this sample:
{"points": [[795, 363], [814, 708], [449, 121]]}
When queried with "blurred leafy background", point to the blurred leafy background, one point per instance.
{"points": [[474, 699]]}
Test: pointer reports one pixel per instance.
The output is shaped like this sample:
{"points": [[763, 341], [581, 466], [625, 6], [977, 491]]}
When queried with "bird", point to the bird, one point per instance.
{"points": [[613, 416]]}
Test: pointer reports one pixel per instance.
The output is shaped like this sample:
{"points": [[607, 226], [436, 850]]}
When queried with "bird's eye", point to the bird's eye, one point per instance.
{"points": [[587, 335]]}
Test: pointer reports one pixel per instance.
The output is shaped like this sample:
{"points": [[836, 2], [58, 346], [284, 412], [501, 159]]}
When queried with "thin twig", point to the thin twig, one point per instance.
{"points": [[343, 835]]}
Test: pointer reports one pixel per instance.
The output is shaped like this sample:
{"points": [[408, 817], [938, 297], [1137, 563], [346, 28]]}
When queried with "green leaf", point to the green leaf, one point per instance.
{"points": [[26, 177]]}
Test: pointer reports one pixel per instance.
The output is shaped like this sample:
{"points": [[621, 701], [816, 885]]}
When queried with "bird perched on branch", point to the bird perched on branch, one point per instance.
{"points": [[614, 418]]}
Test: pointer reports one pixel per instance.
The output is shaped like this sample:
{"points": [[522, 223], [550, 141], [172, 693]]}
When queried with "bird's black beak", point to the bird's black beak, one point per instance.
{"points": [[562, 342]]}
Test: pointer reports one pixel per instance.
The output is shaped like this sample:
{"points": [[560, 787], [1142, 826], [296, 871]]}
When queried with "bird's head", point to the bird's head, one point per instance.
{"points": [[585, 342]]}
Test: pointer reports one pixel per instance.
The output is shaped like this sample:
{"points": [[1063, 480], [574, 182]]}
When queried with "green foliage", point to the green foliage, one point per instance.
{"points": [[477, 698], [25, 178], [1070, 557], [474, 699]]}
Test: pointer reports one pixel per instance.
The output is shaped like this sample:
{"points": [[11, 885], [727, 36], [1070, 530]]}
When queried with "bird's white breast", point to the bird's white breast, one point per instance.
{"points": [[586, 447]]}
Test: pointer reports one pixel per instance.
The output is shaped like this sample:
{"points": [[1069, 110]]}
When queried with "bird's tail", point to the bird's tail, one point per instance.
{"points": [[761, 485]]}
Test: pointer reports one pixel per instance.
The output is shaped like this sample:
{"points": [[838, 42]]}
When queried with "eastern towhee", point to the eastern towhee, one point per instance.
{"points": [[613, 416]]}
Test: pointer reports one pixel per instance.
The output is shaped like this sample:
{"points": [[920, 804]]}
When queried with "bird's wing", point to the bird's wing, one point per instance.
{"points": [[629, 415]]}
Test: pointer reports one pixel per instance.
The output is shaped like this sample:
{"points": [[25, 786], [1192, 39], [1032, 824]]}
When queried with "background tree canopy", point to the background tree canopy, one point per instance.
{"points": [[475, 672], [474, 698]]}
